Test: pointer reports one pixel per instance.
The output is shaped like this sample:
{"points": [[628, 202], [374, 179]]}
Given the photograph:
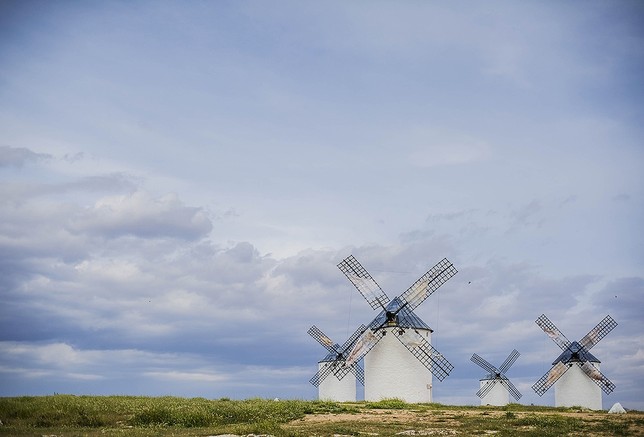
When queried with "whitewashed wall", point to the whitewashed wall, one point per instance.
{"points": [[391, 371], [339, 390], [576, 388], [498, 395]]}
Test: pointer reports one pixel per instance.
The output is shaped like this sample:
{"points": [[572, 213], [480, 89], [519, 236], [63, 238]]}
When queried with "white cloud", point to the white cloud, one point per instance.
{"points": [[140, 215]]}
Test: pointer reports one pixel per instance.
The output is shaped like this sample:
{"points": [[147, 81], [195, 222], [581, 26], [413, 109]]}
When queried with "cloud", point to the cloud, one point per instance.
{"points": [[527, 215], [140, 215], [19, 156], [117, 182]]}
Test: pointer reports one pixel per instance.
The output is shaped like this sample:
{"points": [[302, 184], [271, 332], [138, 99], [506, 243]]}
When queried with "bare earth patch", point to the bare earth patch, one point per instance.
{"points": [[446, 422]]}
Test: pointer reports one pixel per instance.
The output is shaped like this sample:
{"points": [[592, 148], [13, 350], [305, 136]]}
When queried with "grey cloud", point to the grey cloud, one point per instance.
{"points": [[19, 192], [528, 214], [91, 282], [449, 216], [113, 182], [243, 252], [59, 366], [19, 156]]}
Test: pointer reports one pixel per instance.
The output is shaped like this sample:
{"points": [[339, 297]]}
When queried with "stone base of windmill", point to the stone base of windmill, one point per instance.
{"points": [[575, 388], [338, 390], [391, 371], [497, 396]]}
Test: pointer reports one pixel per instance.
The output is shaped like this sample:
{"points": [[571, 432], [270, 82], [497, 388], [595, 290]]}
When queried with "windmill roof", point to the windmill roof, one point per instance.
{"points": [[406, 318], [489, 376], [576, 353]]}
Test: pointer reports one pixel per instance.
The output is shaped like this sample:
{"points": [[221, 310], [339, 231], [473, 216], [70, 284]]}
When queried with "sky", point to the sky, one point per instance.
{"points": [[179, 180]]}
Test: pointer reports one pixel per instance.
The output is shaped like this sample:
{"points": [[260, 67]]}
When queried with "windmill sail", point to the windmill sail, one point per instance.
{"points": [[428, 284], [321, 374], [483, 391], [553, 332], [597, 377], [362, 280], [516, 394], [551, 376], [425, 353], [598, 332], [367, 341], [484, 364], [509, 361], [336, 364], [323, 339], [496, 375]]}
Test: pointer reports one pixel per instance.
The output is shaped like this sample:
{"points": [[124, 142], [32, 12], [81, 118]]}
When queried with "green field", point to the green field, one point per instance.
{"points": [[67, 415]]}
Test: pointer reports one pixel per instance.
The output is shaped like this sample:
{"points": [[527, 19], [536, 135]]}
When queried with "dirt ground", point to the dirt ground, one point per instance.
{"points": [[460, 422]]}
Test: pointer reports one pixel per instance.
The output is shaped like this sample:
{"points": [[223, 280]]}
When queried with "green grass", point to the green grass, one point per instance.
{"points": [[159, 416], [388, 404], [69, 411]]}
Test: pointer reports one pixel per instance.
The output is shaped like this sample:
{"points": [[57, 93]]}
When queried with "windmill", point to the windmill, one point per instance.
{"points": [[495, 388], [576, 371], [389, 371], [336, 387]]}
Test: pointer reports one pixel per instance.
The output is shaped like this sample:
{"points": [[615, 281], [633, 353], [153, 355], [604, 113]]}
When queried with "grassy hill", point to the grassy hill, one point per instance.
{"points": [[67, 415]]}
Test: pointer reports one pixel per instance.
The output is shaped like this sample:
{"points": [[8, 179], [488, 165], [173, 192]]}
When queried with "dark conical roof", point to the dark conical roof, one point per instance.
{"points": [[406, 318], [575, 353]]}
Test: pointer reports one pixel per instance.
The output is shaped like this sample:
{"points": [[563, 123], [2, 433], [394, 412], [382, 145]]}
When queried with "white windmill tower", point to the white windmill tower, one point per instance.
{"points": [[394, 333], [336, 382], [495, 387], [575, 372]]}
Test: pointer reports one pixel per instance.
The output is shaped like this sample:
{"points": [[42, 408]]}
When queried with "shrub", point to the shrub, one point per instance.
{"points": [[388, 404]]}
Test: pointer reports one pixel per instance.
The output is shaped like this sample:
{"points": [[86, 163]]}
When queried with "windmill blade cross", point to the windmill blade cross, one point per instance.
{"points": [[336, 366], [553, 332], [323, 339], [358, 371], [339, 371], [365, 343], [550, 377], [348, 345], [425, 353], [321, 374], [516, 394], [362, 280], [598, 332], [486, 365], [498, 374], [597, 377], [427, 284], [509, 361]]}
